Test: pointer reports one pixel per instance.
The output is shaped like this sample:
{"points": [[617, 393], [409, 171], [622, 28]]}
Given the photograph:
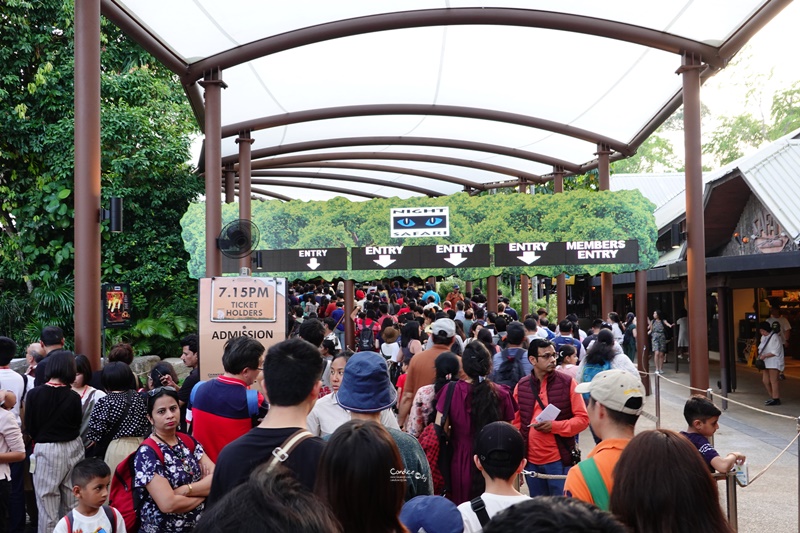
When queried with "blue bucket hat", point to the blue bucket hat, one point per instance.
{"points": [[431, 514], [366, 387]]}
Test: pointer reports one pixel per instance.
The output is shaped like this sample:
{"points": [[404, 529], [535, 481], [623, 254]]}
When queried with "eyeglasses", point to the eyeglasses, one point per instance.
{"points": [[548, 356], [159, 390]]}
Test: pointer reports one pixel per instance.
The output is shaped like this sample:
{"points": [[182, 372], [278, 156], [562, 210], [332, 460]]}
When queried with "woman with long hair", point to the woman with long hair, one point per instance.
{"points": [[617, 327], [629, 337], [486, 338], [177, 486], [53, 420], [89, 395], [684, 498], [360, 477], [476, 401], [409, 340], [423, 409], [659, 339], [605, 350]]}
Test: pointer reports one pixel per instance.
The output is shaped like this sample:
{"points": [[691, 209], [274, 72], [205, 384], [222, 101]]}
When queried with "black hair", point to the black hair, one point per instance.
{"points": [[8, 349], [312, 330], [699, 408], [240, 353], [564, 351], [291, 370], [157, 393], [531, 324], [192, 341], [515, 333], [597, 323], [162, 369], [117, 376], [84, 367], [554, 514], [564, 326], [88, 469], [409, 332], [441, 338], [602, 350], [330, 322], [536, 345], [52, 335], [60, 366], [618, 417], [329, 345], [447, 366]]}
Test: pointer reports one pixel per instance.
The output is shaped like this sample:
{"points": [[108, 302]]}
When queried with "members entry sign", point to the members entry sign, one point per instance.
{"points": [[233, 307]]}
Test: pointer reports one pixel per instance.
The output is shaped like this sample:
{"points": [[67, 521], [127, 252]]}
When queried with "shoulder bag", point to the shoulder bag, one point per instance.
{"points": [[436, 443]]}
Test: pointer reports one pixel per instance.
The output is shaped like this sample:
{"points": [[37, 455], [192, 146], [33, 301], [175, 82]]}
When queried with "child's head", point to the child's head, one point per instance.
{"points": [[500, 451], [90, 480], [702, 415], [567, 354]]}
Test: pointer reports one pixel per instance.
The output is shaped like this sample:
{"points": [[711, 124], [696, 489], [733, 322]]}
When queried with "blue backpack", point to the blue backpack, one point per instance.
{"points": [[589, 372]]}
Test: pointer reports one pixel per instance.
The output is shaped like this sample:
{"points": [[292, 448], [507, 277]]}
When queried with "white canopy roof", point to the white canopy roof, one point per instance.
{"points": [[478, 92]]}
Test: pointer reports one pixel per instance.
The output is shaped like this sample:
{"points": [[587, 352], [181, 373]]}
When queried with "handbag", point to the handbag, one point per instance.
{"points": [[759, 363], [436, 444]]}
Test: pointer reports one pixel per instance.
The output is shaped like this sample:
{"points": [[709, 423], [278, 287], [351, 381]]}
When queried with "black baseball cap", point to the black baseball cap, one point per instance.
{"points": [[500, 444]]}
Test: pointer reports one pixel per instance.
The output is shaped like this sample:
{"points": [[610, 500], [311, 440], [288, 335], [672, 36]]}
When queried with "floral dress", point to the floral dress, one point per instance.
{"points": [[180, 467], [421, 410], [658, 336]]}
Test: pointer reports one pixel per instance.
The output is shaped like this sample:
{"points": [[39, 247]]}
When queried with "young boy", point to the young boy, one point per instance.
{"points": [[702, 416], [500, 457], [90, 481]]}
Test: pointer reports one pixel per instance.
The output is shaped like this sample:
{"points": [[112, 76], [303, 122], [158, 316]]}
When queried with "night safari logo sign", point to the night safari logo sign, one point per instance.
{"points": [[577, 232]]}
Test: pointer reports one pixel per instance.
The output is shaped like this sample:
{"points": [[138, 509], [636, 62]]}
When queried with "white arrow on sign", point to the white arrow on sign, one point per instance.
{"points": [[313, 264], [455, 259], [384, 260], [528, 257]]}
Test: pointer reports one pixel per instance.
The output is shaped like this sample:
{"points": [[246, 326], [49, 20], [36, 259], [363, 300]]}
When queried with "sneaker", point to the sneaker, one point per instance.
{"points": [[774, 401]]}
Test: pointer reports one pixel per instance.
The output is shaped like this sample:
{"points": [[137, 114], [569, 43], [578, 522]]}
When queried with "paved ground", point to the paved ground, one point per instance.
{"points": [[770, 503]]}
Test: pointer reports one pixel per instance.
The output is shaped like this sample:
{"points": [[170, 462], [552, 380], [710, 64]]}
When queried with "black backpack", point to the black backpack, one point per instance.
{"points": [[510, 370], [366, 338]]}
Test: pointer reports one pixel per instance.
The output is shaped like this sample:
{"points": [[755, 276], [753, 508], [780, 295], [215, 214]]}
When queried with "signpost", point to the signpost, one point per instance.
{"points": [[606, 252], [232, 307], [385, 257]]}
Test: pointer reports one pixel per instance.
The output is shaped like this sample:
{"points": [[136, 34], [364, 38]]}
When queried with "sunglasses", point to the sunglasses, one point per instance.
{"points": [[159, 390]]}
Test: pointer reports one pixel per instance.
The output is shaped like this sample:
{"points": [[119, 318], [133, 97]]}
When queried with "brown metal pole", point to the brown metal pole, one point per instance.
{"points": [[525, 288], [230, 184], [245, 168], [87, 180], [491, 293], [695, 226], [606, 278], [349, 327], [561, 281], [468, 287], [724, 324], [213, 86], [640, 301]]}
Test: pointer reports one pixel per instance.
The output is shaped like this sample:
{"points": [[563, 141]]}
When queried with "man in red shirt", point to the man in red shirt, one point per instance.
{"points": [[224, 409], [548, 441]]}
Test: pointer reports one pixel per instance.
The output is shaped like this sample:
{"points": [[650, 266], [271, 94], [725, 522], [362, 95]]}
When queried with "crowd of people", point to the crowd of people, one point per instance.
{"points": [[426, 423]]}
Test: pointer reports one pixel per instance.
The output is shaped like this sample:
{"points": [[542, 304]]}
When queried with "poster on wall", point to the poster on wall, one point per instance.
{"points": [[231, 307], [116, 305]]}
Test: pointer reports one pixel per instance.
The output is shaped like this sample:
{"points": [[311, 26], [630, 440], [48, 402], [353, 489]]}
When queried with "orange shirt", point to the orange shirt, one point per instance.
{"points": [[606, 454], [542, 447]]}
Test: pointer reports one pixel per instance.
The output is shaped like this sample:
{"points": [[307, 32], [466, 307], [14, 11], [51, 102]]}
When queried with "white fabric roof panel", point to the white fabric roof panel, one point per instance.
{"points": [[605, 85]]}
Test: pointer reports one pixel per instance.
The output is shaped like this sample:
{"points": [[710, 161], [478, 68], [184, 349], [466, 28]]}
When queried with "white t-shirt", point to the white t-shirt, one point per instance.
{"points": [[389, 350], [91, 524], [494, 504], [11, 381]]}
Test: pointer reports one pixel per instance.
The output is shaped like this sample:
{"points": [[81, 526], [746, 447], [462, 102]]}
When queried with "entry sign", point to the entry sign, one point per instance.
{"points": [[605, 252], [385, 257], [313, 259], [454, 255], [241, 306]]}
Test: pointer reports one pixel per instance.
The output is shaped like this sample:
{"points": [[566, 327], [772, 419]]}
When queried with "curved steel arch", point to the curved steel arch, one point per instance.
{"points": [[310, 115], [326, 188], [275, 195], [304, 158], [454, 17], [340, 177], [350, 165], [406, 141]]}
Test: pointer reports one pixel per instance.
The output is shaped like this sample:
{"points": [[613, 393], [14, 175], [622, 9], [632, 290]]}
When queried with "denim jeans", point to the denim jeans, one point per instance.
{"points": [[546, 487]]}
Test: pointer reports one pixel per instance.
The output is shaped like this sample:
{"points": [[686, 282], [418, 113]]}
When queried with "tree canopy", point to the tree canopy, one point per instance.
{"points": [[146, 133]]}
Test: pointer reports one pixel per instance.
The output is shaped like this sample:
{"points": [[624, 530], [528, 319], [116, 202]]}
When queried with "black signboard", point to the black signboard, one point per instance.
{"points": [[385, 257], [116, 305], [313, 259], [606, 252], [454, 255]]}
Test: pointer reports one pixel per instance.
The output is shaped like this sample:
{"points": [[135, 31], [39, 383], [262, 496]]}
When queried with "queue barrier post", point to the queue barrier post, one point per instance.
{"points": [[658, 400], [730, 497]]}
